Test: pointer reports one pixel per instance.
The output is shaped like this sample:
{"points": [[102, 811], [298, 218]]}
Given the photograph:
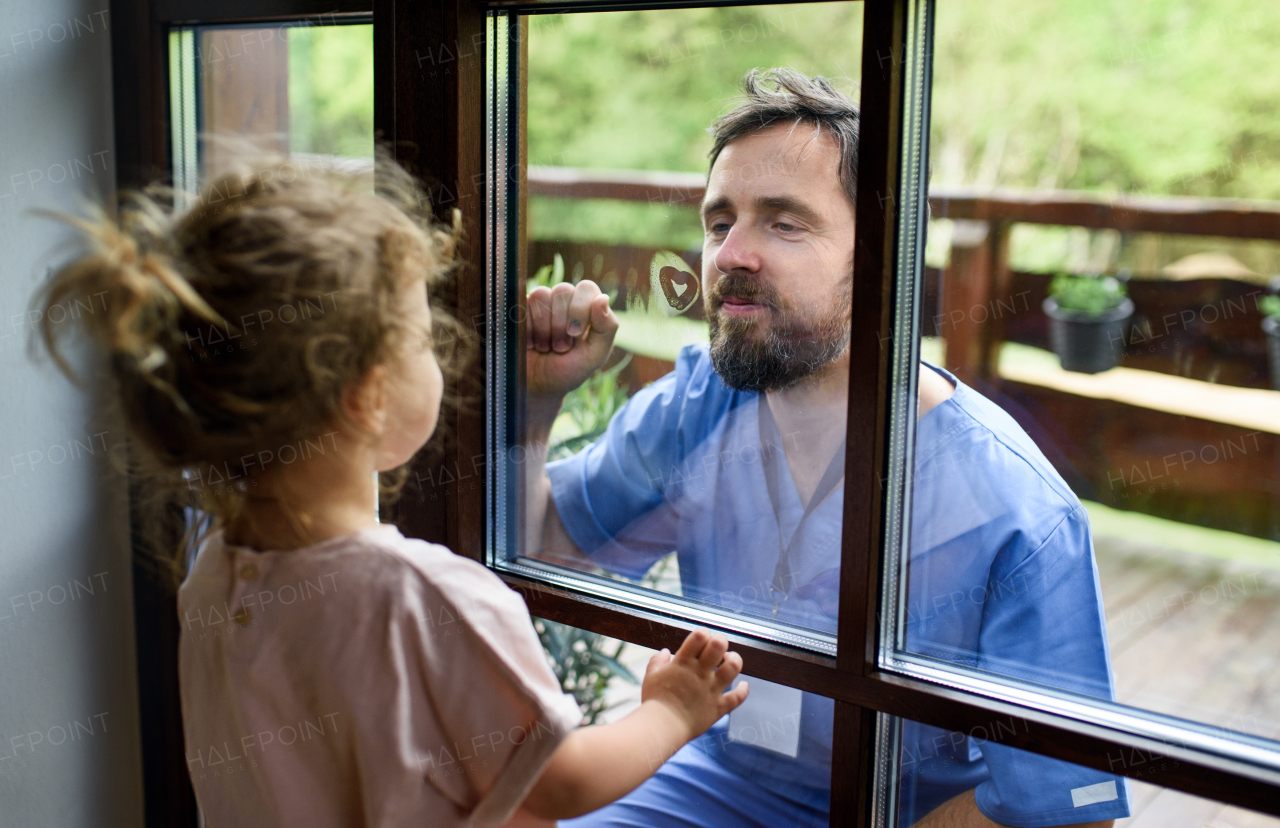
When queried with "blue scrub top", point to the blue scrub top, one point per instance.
{"points": [[1001, 574]]}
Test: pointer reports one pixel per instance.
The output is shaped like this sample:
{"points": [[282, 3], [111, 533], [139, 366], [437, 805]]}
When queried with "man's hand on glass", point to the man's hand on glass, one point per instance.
{"points": [[571, 330]]}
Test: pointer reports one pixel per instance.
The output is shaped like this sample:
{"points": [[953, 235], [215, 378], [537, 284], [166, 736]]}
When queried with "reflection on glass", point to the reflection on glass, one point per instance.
{"points": [[944, 774], [943, 777], [1094, 508], [686, 362], [301, 89]]}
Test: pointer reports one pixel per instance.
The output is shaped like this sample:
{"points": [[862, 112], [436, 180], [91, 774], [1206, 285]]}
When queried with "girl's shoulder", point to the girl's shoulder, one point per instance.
{"points": [[460, 610], [375, 567], [420, 577]]}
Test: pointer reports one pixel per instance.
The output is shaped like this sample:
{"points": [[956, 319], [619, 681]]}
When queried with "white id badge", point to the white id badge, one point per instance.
{"points": [[769, 718]]}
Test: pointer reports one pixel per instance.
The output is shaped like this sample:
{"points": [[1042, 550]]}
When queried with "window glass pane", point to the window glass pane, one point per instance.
{"points": [[1093, 484], [943, 774], [661, 470], [300, 89], [647, 472]]}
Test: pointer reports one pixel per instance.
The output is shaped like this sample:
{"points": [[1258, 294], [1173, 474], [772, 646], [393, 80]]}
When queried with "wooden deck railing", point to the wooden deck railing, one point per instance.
{"points": [[1204, 329], [1191, 216], [979, 302]]}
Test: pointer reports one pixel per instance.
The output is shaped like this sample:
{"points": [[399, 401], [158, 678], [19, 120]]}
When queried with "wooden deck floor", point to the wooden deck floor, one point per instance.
{"points": [[1193, 637]]}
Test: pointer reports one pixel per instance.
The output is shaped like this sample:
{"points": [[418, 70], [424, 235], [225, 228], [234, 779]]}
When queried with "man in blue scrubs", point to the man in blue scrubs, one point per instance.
{"points": [[735, 462]]}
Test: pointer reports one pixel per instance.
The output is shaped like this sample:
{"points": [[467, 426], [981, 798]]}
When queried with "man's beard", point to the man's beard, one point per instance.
{"points": [[793, 347]]}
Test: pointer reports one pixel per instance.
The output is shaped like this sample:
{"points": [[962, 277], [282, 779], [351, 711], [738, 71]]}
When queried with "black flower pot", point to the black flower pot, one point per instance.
{"points": [[1087, 342], [1271, 326]]}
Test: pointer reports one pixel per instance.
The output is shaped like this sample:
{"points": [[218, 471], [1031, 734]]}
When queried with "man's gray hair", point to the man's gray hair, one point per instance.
{"points": [[785, 96]]}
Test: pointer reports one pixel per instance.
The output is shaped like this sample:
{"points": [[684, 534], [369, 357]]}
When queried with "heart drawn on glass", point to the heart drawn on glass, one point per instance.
{"points": [[679, 287]]}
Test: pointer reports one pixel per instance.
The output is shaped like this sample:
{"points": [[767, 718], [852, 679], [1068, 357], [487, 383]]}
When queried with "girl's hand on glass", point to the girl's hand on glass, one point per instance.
{"points": [[692, 682]]}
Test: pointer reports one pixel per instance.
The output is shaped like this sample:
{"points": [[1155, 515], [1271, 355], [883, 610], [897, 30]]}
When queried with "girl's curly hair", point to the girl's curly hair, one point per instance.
{"points": [[233, 324]]}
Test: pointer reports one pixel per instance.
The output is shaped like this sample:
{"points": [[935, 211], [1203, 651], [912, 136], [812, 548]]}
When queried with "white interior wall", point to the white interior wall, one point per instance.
{"points": [[69, 747]]}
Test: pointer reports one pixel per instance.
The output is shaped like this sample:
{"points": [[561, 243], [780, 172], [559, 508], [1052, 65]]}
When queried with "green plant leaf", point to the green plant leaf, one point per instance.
{"points": [[548, 275], [1089, 294], [617, 668], [1270, 306]]}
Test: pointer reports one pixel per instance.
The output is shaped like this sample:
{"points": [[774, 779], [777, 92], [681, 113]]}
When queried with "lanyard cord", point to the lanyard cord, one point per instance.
{"points": [[769, 453]]}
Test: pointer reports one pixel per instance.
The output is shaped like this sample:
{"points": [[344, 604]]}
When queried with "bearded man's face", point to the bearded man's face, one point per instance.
{"points": [[777, 258]]}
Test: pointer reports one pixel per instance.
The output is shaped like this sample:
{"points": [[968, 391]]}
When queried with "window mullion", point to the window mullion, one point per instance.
{"points": [[854, 756]]}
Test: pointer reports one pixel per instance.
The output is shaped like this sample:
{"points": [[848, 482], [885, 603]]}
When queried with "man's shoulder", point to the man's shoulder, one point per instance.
{"points": [[981, 438], [980, 476], [686, 406]]}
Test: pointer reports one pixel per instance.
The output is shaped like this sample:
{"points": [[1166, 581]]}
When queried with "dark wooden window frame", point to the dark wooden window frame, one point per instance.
{"points": [[430, 104]]}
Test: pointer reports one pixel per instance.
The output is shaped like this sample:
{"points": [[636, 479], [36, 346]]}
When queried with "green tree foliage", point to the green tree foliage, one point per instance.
{"points": [[331, 90], [637, 90], [1161, 97], [1164, 97]]}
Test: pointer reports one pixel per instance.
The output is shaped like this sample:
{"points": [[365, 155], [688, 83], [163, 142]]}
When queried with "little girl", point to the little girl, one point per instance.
{"points": [[272, 348]]}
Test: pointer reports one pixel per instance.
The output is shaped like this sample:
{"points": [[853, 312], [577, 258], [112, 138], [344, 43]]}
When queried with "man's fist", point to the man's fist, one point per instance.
{"points": [[571, 330]]}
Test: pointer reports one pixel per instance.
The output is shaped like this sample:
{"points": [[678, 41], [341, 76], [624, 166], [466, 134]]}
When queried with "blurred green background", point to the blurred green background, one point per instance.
{"points": [[1162, 97], [637, 90], [331, 90], [1153, 98], [1156, 98]]}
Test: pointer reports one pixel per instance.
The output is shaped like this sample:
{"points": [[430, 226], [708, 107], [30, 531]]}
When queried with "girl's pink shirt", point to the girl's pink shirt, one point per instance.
{"points": [[370, 680]]}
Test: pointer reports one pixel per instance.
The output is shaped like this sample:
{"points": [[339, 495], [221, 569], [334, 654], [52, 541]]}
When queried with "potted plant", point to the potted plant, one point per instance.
{"points": [[1087, 316], [1270, 307]]}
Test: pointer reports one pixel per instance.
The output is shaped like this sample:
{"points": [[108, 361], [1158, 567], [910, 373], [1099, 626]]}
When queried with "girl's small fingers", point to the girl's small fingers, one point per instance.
{"points": [[693, 644], [728, 670], [731, 700], [658, 659], [713, 653]]}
